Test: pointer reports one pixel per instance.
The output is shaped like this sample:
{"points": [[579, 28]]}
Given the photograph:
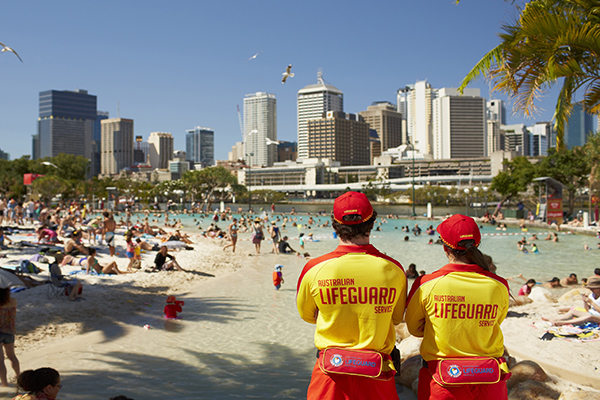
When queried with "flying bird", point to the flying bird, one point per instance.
{"points": [[287, 73], [6, 48], [254, 56], [270, 141]]}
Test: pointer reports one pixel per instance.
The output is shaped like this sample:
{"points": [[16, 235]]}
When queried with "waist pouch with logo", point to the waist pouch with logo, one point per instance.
{"points": [[365, 363], [470, 370]]}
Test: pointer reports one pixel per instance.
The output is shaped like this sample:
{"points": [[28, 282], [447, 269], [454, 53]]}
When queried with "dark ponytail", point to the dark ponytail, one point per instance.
{"points": [[34, 381], [471, 254]]}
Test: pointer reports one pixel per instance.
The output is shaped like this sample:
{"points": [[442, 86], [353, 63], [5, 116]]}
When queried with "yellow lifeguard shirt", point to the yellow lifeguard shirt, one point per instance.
{"points": [[355, 295], [462, 307]]}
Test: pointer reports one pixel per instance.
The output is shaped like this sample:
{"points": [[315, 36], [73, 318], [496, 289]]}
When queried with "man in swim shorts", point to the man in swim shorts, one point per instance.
{"points": [[355, 295], [109, 231]]}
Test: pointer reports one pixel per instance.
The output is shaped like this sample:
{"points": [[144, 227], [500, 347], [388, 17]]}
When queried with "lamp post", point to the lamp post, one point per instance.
{"points": [[485, 189], [412, 170], [476, 190], [467, 201], [249, 155]]}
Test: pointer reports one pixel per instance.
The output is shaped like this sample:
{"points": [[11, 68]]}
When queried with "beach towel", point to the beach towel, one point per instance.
{"points": [[587, 332]]}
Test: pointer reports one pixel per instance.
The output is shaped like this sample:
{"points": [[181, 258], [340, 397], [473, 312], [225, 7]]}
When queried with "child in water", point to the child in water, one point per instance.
{"points": [[278, 276]]}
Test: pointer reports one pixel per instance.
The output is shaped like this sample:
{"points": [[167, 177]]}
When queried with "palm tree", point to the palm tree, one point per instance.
{"points": [[552, 40]]}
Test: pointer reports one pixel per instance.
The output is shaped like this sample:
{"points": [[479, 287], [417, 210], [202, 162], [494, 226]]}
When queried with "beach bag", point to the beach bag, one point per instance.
{"points": [[468, 371], [365, 363], [69, 288], [29, 267]]}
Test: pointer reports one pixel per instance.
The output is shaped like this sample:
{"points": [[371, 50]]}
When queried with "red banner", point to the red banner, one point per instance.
{"points": [[555, 210]]}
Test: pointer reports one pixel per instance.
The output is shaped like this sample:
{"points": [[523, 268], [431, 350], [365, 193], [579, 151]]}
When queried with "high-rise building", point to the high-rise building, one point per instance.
{"points": [[414, 103], [65, 124], [496, 111], [117, 145], [313, 102], [200, 146], [340, 137], [383, 118], [495, 137], [237, 152], [4, 155], [578, 127], [541, 134], [141, 151], [260, 129], [516, 138], [96, 158], [287, 151], [459, 124], [161, 149]]}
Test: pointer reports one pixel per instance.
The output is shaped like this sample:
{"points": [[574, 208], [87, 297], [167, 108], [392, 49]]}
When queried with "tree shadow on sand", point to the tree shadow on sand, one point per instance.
{"points": [[280, 373]]}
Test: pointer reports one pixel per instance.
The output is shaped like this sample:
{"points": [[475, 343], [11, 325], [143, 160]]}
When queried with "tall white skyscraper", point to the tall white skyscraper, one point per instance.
{"points": [[414, 103], [260, 124], [161, 149], [313, 102], [541, 134], [117, 145]]}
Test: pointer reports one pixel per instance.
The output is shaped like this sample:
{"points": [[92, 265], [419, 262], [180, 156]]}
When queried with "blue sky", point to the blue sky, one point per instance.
{"points": [[175, 65]]}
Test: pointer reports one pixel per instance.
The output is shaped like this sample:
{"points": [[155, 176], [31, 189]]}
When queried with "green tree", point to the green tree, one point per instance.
{"points": [[209, 184], [569, 167], [550, 41], [515, 180], [48, 187], [592, 154]]}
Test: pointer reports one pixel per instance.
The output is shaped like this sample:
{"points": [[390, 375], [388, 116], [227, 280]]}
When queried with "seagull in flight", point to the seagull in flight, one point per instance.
{"points": [[254, 56], [287, 74], [6, 48], [270, 141]]}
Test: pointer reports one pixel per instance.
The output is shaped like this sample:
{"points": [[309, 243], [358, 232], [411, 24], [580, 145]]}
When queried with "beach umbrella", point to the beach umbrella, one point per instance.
{"points": [[8, 279]]}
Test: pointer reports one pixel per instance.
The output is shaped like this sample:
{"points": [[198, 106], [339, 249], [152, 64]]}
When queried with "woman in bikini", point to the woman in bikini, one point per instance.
{"points": [[232, 231], [101, 269]]}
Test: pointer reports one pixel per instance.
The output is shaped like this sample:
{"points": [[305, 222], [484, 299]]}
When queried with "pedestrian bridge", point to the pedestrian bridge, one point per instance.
{"points": [[396, 184]]}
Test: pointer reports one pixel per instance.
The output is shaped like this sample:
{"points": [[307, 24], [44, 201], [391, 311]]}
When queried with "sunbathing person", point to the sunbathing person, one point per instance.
{"points": [[101, 269], [183, 237], [590, 312]]}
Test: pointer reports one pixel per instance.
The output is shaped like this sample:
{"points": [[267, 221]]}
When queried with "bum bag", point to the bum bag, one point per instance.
{"points": [[469, 370], [365, 363]]}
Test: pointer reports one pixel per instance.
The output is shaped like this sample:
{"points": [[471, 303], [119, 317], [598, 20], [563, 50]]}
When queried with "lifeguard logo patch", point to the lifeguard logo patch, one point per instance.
{"points": [[336, 360], [454, 371]]}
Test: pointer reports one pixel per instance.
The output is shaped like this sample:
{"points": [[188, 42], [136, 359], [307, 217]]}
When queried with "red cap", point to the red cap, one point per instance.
{"points": [[352, 203], [458, 228]]}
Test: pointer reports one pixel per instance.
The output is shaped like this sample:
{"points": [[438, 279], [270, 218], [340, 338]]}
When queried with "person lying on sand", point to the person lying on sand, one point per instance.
{"points": [[590, 311]]}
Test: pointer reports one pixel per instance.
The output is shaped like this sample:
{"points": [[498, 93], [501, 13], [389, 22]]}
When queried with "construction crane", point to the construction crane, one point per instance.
{"points": [[240, 119]]}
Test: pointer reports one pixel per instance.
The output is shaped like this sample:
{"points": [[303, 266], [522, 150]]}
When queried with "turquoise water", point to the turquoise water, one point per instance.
{"points": [[554, 259]]}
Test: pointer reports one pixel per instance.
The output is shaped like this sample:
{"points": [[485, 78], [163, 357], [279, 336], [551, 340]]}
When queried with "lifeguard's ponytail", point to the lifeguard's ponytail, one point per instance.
{"points": [[471, 254]]}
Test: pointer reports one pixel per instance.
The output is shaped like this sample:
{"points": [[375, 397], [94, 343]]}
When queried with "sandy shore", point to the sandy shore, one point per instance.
{"points": [[115, 303]]}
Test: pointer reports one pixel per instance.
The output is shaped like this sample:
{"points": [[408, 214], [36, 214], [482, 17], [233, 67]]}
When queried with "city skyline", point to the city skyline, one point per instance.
{"points": [[154, 67]]}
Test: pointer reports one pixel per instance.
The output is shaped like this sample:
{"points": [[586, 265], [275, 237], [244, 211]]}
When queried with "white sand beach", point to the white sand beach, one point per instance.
{"points": [[103, 336]]}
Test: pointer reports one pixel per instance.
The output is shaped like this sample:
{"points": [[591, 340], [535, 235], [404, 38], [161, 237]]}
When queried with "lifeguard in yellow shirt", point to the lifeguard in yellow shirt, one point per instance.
{"points": [[458, 311], [355, 295]]}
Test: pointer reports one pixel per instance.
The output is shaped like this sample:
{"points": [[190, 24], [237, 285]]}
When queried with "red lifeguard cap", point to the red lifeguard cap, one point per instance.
{"points": [[352, 203], [458, 228]]}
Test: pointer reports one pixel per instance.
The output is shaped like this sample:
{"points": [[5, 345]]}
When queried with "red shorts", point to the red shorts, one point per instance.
{"points": [[343, 387], [430, 389]]}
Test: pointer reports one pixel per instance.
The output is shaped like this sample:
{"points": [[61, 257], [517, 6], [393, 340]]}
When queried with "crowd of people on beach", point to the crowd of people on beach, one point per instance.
{"points": [[66, 229]]}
